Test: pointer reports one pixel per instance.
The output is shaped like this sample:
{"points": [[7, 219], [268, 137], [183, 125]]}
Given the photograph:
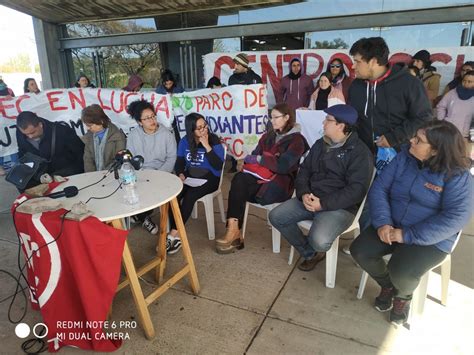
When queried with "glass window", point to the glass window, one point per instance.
{"points": [[110, 27], [111, 66]]}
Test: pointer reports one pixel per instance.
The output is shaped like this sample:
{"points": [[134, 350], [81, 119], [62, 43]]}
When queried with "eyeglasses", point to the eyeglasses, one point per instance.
{"points": [[275, 117], [201, 128], [335, 65], [330, 119], [149, 118]]}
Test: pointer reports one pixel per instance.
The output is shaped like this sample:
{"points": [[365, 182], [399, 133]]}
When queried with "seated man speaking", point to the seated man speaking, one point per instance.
{"points": [[330, 185], [64, 153]]}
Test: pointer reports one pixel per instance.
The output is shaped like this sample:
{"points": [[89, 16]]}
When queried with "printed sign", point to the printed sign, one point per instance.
{"points": [[238, 114], [273, 65]]}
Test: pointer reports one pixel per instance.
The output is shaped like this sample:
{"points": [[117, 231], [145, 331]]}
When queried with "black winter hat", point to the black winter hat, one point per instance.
{"points": [[424, 56]]}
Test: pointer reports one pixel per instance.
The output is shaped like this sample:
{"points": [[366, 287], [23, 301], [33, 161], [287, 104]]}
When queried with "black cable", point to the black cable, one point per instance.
{"points": [[28, 345], [95, 183], [104, 197], [8, 241]]}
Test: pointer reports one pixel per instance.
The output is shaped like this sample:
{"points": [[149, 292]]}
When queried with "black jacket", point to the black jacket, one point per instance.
{"points": [[69, 150], [394, 106], [248, 78], [339, 177]]}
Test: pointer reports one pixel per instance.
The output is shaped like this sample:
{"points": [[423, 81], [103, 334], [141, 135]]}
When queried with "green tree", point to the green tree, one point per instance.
{"points": [[20, 63], [120, 61], [337, 43]]}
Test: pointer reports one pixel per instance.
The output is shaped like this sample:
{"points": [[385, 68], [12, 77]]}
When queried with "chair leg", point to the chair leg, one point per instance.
{"points": [[244, 224], [445, 277], [331, 264], [292, 255], [209, 210], [276, 239], [220, 202], [363, 282], [194, 213], [419, 296]]}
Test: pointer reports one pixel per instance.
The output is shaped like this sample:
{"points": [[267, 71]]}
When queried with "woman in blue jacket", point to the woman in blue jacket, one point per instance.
{"points": [[200, 155], [418, 204]]}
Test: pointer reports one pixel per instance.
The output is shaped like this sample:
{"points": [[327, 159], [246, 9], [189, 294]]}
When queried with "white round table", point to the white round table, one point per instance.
{"points": [[155, 189]]}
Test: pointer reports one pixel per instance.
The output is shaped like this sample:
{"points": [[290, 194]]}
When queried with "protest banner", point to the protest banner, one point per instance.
{"points": [[66, 105], [273, 65], [311, 122], [238, 114]]}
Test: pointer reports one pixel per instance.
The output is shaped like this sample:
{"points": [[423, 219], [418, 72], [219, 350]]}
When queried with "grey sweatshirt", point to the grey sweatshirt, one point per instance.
{"points": [[158, 149]]}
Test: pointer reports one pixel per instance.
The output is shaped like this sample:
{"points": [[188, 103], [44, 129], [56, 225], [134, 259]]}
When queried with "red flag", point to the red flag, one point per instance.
{"points": [[73, 276]]}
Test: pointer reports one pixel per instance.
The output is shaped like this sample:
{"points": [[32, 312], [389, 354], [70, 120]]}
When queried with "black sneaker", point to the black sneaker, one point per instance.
{"points": [[134, 219], [175, 245], [400, 311], [150, 226], [384, 301]]}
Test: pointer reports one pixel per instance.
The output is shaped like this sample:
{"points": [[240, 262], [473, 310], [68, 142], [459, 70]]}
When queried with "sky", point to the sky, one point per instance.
{"points": [[17, 35]]}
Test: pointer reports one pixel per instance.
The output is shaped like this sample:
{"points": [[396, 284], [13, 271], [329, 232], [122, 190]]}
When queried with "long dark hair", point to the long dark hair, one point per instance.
{"points": [[190, 126], [284, 109], [26, 83], [445, 138]]}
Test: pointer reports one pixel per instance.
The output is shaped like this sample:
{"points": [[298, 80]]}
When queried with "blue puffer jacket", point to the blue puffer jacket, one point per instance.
{"points": [[429, 209]]}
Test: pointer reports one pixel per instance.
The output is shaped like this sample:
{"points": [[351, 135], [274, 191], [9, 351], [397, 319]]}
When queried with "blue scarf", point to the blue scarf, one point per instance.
{"points": [[463, 93]]}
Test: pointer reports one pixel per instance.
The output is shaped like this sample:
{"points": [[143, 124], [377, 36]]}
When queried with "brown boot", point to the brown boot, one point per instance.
{"points": [[232, 232]]}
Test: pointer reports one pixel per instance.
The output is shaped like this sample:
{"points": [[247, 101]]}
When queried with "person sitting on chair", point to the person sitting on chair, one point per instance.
{"points": [[418, 204], [268, 175], [102, 141], [64, 153], [331, 183], [201, 156]]}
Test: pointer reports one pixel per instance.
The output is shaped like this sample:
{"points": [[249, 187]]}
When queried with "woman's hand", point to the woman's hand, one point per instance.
{"points": [[384, 234], [182, 177], [204, 140], [396, 235]]}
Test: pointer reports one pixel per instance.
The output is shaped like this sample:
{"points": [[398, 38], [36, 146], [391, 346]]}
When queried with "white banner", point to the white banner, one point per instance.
{"points": [[311, 122], [273, 65], [66, 105], [238, 114]]}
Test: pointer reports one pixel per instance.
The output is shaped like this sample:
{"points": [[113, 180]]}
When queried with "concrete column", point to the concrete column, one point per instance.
{"points": [[51, 59]]}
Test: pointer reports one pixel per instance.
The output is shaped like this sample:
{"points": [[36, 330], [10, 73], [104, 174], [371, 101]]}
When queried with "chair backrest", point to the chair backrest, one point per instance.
{"points": [[223, 164], [361, 207]]}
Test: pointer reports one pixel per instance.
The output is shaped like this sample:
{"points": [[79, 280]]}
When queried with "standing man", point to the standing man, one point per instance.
{"points": [[390, 102], [243, 75], [296, 88]]}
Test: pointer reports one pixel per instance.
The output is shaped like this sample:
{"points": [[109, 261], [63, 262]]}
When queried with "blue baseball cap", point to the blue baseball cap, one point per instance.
{"points": [[343, 113]]}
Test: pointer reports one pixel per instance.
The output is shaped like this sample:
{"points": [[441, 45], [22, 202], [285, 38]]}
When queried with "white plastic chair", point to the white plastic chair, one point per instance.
{"points": [[419, 295], [332, 253], [208, 202], [276, 236]]}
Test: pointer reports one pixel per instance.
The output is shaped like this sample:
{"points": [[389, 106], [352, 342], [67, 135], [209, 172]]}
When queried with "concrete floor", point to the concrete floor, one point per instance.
{"points": [[254, 302]]}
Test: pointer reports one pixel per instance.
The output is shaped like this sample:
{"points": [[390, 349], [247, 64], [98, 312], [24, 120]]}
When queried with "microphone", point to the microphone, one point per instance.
{"points": [[69, 191], [137, 162]]}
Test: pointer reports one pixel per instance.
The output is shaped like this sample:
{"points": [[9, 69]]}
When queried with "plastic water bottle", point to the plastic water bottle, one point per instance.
{"points": [[128, 178]]}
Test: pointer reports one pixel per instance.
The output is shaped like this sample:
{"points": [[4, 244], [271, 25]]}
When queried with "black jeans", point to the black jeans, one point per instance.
{"points": [[405, 268], [188, 197], [243, 188]]}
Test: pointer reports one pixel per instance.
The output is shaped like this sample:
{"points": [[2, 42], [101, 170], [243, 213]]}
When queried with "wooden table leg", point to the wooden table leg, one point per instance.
{"points": [[185, 245], [142, 308], [161, 248]]}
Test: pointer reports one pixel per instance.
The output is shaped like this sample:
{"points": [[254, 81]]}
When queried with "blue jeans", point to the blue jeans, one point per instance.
{"points": [[326, 227]]}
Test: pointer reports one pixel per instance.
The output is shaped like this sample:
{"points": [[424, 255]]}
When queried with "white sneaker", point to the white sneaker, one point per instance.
{"points": [[173, 244], [150, 226]]}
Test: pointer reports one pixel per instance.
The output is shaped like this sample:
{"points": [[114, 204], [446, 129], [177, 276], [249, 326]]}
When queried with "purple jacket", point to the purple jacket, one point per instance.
{"points": [[459, 112], [296, 93]]}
